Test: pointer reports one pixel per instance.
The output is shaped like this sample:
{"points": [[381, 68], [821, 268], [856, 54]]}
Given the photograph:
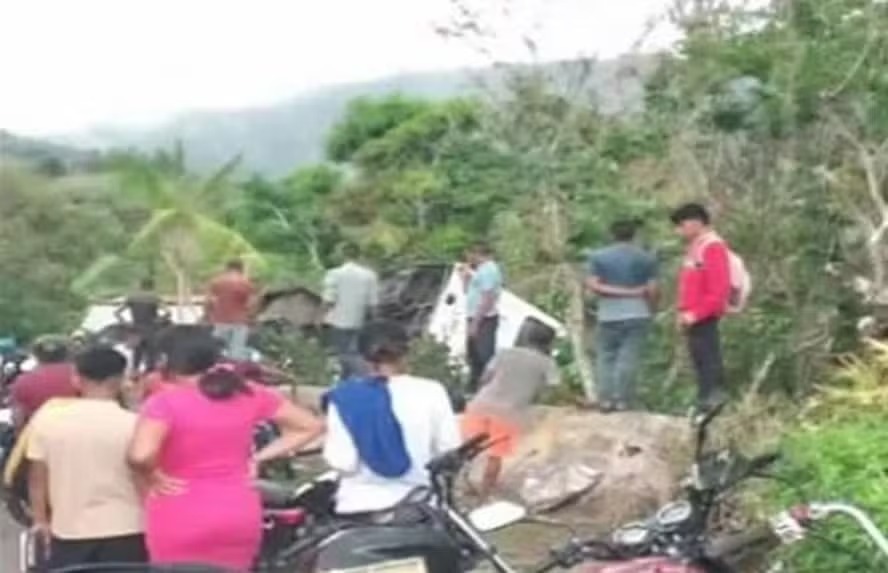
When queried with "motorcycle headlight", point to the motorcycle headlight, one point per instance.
{"points": [[674, 514], [632, 535]]}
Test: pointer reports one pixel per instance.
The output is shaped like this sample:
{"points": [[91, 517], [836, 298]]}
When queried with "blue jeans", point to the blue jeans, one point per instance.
{"points": [[345, 344], [619, 345], [235, 338]]}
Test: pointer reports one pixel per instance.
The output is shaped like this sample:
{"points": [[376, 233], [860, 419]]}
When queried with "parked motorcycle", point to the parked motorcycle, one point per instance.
{"points": [[678, 538], [426, 532], [294, 518]]}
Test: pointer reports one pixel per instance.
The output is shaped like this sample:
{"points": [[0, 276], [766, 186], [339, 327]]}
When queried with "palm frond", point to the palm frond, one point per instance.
{"points": [[219, 179], [160, 222], [94, 274], [226, 241]]}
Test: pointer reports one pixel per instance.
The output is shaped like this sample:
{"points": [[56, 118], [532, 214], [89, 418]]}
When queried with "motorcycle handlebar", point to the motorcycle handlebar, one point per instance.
{"points": [[454, 460]]}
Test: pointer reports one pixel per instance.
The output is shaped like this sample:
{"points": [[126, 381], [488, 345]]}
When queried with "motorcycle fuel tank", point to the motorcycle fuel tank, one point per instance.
{"points": [[646, 565]]}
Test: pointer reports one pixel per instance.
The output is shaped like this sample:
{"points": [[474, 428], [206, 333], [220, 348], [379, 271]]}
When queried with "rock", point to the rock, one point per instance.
{"points": [[619, 466]]}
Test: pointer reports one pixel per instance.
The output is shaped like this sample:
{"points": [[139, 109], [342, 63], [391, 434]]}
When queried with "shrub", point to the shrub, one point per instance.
{"points": [[840, 460]]}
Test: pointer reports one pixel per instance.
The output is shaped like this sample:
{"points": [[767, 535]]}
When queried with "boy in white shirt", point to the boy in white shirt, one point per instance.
{"points": [[382, 430]]}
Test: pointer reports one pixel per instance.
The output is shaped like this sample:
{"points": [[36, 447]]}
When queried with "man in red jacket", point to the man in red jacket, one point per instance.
{"points": [[704, 291]]}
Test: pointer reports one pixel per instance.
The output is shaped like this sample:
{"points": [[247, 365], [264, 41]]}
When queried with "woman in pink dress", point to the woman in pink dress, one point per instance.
{"points": [[193, 446]]}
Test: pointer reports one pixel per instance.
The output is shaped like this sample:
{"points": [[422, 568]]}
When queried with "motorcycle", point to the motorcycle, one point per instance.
{"points": [[728, 554], [427, 532], [11, 366], [677, 538], [294, 518]]}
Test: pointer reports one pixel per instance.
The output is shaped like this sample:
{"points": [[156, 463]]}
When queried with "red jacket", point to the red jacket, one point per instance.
{"points": [[704, 283]]}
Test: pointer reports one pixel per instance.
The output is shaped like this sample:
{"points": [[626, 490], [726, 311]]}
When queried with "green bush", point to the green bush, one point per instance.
{"points": [[304, 359], [842, 460]]}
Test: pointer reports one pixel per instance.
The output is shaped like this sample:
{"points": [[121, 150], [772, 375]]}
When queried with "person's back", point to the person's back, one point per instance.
{"points": [[84, 444], [144, 308], [383, 430], [422, 408], [34, 388], [232, 294], [352, 291], [208, 438], [517, 375], [82, 493], [625, 265]]}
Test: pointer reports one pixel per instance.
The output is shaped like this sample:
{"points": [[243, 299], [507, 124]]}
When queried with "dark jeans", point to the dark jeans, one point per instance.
{"points": [[619, 345], [145, 352], [84, 552], [704, 345], [344, 342], [480, 350]]}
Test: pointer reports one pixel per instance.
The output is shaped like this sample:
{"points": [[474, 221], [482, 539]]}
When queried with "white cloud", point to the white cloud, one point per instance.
{"points": [[68, 64]]}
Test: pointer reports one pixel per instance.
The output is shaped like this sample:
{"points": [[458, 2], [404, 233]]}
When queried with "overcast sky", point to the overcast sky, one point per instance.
{"points": [[70, 64]]}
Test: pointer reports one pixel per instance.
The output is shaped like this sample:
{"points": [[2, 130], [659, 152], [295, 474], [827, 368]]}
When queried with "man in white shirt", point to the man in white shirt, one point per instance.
{"points": [[423, 425], [351, 295]]}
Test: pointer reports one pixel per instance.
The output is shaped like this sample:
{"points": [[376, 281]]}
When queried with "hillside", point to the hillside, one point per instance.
{"points": [[277, 138], [53, 158]]}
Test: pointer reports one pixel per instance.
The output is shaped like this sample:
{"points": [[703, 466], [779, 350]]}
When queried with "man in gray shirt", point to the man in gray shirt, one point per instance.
{"points": [[623, 276], [351, 295]]}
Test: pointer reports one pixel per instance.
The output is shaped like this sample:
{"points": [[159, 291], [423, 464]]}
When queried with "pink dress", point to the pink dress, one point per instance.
{"points": [[218, 519]]}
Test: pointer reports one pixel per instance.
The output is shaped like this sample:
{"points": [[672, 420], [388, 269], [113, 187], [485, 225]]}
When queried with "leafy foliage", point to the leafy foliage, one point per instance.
{"points": [[842, 459]]}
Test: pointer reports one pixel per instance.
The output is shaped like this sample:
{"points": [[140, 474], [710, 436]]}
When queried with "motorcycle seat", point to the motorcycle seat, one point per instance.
{"points": [[292, 517], [276, 496]]}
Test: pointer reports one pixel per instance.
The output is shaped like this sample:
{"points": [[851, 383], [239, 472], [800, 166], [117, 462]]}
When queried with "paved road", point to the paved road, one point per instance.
{"points": [[9, 536]]}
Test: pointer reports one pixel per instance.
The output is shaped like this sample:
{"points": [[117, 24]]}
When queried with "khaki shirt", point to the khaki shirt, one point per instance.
{"points": [[91, 490]]}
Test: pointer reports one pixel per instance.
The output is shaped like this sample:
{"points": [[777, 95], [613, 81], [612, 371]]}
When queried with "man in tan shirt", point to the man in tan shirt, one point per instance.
{"points": [[86, 505]]}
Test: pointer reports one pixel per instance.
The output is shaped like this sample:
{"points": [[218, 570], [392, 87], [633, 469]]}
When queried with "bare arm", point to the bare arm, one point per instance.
{"points": [[299, 427], [38, 490], [145, 446], [597, 286]]}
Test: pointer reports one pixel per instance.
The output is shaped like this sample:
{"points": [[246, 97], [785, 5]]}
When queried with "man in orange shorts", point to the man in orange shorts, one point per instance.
{"points": [[510, 385]]}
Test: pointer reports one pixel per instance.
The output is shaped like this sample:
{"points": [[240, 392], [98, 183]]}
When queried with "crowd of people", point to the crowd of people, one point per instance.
{"points": [[165, 473]]}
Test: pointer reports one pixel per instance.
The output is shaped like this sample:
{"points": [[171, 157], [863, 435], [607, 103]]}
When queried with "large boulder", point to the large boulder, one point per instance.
{"points": [[596, 469], [601, 469]]}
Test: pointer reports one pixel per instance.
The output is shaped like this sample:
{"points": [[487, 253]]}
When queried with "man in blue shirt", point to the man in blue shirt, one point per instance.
{"points": [[623, 276], [483, 290]]}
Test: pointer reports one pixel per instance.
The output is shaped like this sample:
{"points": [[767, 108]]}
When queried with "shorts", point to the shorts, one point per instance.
{"points": [[84, 552], [503, 434]]}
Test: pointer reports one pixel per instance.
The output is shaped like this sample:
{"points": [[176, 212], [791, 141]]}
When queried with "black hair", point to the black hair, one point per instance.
{"points": [[235, 265], [690, 212], [351, 250], [50, 350], [147, 283], [482, 248], [197, 352], [383, 342], [537, 335], [100, 363], [624, 229]]}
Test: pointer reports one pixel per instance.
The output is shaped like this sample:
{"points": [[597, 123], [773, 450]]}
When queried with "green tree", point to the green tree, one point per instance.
{"points": [[52, 229], [184, 230]]}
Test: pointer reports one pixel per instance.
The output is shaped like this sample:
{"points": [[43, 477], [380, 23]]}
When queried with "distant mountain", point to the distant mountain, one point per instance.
{"points": [[53, 158], [276, 139]]}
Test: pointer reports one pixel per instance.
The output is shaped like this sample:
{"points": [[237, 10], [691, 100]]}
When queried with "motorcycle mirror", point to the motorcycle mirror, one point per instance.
{"points": [[497, 515]]}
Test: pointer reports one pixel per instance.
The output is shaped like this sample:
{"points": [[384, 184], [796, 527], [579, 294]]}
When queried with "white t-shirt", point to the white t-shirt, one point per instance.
{"points": [[430, 428]]}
